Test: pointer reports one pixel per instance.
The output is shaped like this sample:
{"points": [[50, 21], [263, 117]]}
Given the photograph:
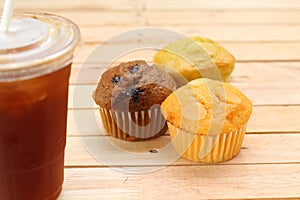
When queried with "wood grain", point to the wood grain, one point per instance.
{"points": [[264, 119], [215, 4], [53, 5], [261, 93], [264, 36], [89, 74], [193, 182], [107, 151], [221, 17], [219, 32], [243, 52], [155, 5], [184, 18]]}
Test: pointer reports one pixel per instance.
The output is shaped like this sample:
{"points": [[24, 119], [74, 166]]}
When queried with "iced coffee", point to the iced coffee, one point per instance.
{"points": [[34, 77]]}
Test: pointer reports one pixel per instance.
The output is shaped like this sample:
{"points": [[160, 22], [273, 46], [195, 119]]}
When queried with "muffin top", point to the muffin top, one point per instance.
{"points": [[197, 57], [133, 86], [207, 107]]}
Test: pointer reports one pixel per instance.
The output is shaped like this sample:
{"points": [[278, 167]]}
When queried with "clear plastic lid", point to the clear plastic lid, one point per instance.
{"points": [[36, 44]]}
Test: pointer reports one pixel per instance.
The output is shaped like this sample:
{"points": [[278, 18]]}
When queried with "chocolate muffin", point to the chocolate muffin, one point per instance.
{"points": [[129, 96]]}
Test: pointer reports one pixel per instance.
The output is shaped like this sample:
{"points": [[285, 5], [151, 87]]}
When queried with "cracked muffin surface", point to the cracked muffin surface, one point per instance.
{"points": [[207, 107], [133, 86]]}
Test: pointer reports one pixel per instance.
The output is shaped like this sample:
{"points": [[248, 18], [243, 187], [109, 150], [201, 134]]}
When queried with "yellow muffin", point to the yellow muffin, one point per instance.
{"points": [[195, 57], [207, 120]]}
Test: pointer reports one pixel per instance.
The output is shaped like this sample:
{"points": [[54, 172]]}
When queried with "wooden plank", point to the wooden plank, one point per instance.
{"points": [[218, 32], [261, 93], [94, 194], [197, 182], [156, 5], [264, 119], [102, 18], [244, 72], [257, 149], [185, 17], [243, 51], [211, 17], [274, 118], [84, 122], [216, 4], [286, 93], [265, 72], [265, 51], [53, 5]]}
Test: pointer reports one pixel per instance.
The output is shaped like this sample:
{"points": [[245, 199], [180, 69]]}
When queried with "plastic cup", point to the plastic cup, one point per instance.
{"points": [[35, 61]]}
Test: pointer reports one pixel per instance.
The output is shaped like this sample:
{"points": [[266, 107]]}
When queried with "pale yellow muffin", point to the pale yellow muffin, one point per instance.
{"points": [[207, 120], [195, 57]]}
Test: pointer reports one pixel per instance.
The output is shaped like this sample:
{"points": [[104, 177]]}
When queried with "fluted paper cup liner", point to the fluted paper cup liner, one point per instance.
{"points": [[219, 148], [133, 126]]}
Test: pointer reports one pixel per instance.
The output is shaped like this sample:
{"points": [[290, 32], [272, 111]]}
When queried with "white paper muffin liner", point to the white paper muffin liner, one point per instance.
{"points": [[132, 126], [207, 149]]}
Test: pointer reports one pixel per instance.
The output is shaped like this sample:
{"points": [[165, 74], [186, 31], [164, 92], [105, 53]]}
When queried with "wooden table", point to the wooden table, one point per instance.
{"points": [[265, 38]]}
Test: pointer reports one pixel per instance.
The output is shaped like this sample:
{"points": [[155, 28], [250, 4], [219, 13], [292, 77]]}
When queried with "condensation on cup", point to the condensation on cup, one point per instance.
{"points": [[35, 61]]}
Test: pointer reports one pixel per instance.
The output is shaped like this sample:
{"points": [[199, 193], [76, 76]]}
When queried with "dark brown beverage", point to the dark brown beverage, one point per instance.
{"points": [[33, 118], [36, 53]]}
